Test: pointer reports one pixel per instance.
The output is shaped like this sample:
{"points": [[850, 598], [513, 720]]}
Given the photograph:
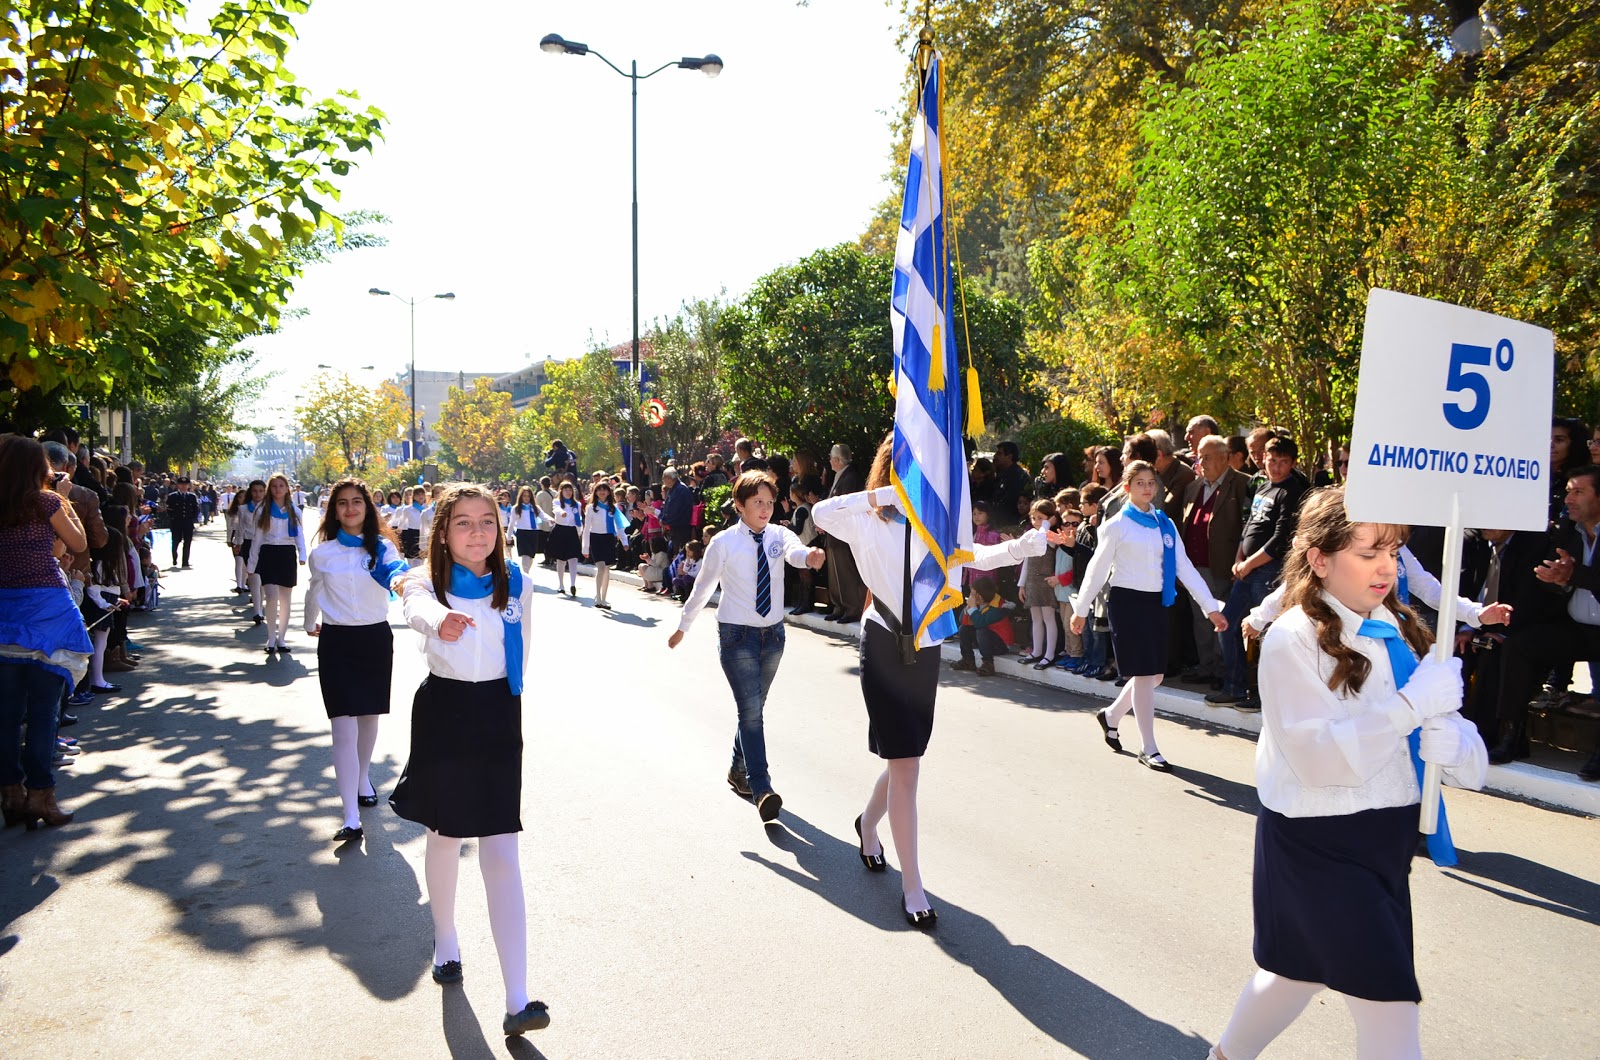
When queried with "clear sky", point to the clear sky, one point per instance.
{"points": [[505, 170]]}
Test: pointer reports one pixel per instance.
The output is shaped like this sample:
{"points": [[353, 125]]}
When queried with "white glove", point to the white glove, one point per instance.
{"points": [[1435, 688], [1031, 543], [1443, 742]]}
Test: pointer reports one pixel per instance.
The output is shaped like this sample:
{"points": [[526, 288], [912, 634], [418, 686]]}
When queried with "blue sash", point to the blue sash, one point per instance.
{"points": [[1156, 519], [382, 573]]}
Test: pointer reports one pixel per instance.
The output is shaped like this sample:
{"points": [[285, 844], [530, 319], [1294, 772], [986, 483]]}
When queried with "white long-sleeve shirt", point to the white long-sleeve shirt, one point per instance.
{"points": [[565, 515], [879, 548], [595, 523], [276, 532], [525, 517], [244, 525], [1128, 555], [730, 561], [480, 653], [1323, 753], [410, 517], [342, 590], [1419, 583]]}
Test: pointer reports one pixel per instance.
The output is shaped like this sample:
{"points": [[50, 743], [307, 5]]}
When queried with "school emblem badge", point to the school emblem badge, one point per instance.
{"points": [[1166, 539], [513, 612], [775, 550]]}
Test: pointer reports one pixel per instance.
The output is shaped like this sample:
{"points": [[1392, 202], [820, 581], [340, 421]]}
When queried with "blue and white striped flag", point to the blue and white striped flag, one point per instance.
{"points": [[930, 467]]}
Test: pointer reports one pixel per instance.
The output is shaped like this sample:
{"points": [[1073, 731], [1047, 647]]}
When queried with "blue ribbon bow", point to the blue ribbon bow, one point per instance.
{"points": [[469, 586], [1156, 519], [1404, 664]]}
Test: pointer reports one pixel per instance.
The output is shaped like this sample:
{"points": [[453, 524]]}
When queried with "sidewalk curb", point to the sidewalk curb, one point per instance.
{"points": [[1521, 780]]}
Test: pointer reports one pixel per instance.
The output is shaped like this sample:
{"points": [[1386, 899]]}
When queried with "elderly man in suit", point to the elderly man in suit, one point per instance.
{"points": [[847, 593], [1212, 521]]}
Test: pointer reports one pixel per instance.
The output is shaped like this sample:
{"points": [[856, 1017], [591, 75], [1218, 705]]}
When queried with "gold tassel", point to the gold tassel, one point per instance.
{"points": [[975, 424], [936, 361]]}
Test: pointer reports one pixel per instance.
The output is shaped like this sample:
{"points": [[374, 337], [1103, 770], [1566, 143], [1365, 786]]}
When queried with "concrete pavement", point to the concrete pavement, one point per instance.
{"points": [[1088, 907]]}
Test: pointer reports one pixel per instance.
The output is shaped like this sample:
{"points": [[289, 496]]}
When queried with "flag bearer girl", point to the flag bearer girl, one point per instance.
{"points": [[347, 610], [1348, 718], [464, 773]]}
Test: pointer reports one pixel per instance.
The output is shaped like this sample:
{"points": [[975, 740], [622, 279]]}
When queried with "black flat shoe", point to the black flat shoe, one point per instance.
{"points": [[367, 800], [923, 920], [448, 973], [768, 806], [1113, 741], [349, 835], [1156, 762], [66, 720], [873, 862], [534, 1017], [101, 690], [272, 649], [258, 619], [284, 648]]}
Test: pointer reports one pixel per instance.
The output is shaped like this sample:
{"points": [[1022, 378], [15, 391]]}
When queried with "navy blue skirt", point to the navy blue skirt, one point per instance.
{"points": [[1138, 631], [899, 698], [464, 775], [1333, 900]]}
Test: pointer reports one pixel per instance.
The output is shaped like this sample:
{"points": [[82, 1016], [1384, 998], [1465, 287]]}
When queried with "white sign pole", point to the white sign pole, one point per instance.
{"points": [[1443, 647]]}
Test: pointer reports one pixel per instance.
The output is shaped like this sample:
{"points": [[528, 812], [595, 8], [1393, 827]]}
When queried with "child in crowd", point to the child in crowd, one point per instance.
{"points": [[688, 568], [654, 570], [986, 626], [1096, 634], [1071, 658], [1036, 589]]}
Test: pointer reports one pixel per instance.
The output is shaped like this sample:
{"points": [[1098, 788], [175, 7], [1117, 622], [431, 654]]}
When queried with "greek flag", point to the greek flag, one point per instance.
{"points": [[930, 467]]}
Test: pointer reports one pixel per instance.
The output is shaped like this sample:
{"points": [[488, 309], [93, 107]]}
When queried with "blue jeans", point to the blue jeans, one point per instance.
{"points": [[1094, 647], [29, 695], [983, 640], [750, 657], [1246, 596]]}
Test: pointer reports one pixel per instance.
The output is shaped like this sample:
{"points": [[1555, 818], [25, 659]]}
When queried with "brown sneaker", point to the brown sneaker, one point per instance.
{"points": [[985, 668], [963, 664]]}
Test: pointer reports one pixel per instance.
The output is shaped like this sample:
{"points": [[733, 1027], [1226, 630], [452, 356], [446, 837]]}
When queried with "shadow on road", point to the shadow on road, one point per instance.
{"points": [[1545, 888], [1059, 1002]]}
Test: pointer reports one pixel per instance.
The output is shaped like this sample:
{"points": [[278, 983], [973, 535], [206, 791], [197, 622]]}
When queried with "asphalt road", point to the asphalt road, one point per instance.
{"points": [[1088, 907]]}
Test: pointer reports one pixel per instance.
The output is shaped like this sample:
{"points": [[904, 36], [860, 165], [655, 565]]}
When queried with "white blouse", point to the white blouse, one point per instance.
{"points": [[562, 515], [1128, 554], [244, 525], [1324, 753], [594, 523], [276, 532], [879, 548], [479, 654], [408, 517], [342, 588], [524, 518]]}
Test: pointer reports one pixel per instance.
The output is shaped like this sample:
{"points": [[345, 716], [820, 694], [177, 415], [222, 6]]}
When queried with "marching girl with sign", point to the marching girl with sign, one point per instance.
{"points": [[276, 550], [248, 505], [1139, 552], [1349, 717], [464, 773], [524, 527], [347, 610], [899, 689], [605, 532], [565, 547]]}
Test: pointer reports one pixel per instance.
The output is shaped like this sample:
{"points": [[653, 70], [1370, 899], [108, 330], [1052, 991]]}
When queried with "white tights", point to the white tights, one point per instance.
{"points": [[1385, 1030], [97, 662], [895, 794], [1044, 631], [1139, 696], [602, 582], [279, 597], [502, 884], [527, 564], [254, 583], [353, 741], [566, 568], [238, 572]]}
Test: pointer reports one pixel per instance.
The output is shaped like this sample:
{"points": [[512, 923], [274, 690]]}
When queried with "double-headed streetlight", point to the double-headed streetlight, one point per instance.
{"points": [[711, 66], [412, 304]]}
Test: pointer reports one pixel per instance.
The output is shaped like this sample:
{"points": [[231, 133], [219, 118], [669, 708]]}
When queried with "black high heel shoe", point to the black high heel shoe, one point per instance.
{"points": [[873, 862], [923, 920]]}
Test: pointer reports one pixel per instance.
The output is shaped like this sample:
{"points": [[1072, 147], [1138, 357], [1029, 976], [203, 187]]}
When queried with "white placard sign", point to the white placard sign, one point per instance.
{"points": [[1450, 402]]}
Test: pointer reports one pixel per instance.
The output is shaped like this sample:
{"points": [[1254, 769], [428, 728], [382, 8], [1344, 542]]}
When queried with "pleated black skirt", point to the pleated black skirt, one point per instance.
{"points": [[354, 666], [278, 565], [1138, 631], [899, 698], [528, 543], [602, 549], [464, 774], [1333, 900], [564, 543]]}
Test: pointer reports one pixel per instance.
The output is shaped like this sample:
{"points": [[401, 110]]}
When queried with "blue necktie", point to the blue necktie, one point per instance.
{"points": [[1440, 848], [763, 577]]}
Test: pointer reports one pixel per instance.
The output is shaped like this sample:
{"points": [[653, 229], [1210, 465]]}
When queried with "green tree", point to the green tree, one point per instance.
{"points": [[473, 426], [808, 352], [687, 361], [198, 421], [153, 177], [350, 423]]}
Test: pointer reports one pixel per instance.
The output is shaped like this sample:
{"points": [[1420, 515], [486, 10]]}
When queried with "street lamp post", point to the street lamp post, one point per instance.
{"points": [[709, 64], [412, 304]]}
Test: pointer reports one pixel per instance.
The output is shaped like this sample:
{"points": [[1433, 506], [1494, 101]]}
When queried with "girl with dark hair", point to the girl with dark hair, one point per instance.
{"points": [[44, 648], [1349, 716], [524, 526], [565, 547], [899, 687], [353, 568], [1105, 466], [463, 777], [106, 600], [1055, 473], [1138, 552], [604, 534], [230, 518], [274, 549], [254, 503], [407, 519], [1568, 450]]}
